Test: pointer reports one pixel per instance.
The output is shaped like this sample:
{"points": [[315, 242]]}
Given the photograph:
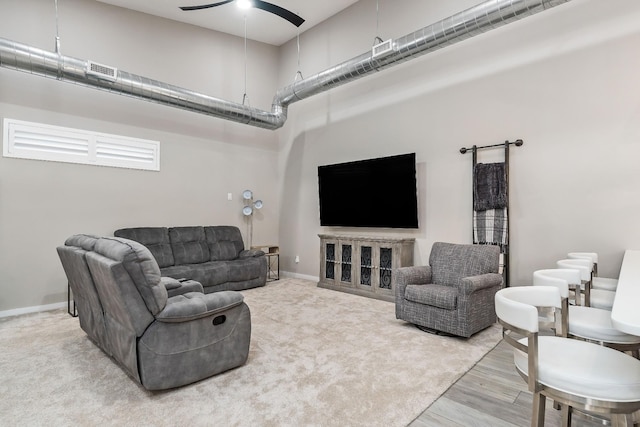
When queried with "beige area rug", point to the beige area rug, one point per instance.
{"points": [[318, 358]]}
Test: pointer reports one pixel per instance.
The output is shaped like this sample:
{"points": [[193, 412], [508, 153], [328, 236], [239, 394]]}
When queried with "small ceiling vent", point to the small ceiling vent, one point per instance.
{"points": [[101, 71], [382, 48]]}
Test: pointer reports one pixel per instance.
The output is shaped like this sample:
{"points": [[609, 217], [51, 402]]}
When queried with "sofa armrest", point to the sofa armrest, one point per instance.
{"points": [[250, 253], [179, 287], [472, 284], [194, 305]]}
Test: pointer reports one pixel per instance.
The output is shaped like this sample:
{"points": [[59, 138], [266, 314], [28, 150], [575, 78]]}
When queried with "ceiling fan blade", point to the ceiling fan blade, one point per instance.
{"points": [[205, 6], [277, 10]]}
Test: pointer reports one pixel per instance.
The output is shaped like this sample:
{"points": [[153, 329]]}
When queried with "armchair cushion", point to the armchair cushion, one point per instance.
{"points": [[435, 295]]}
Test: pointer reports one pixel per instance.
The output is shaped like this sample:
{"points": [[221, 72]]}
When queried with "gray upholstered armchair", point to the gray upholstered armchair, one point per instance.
{"points": [[162, 332], [454, 293]]}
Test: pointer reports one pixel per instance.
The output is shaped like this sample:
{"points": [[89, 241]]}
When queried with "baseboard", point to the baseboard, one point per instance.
{"points": [[34, 309], [299, 276], [48, 307]]}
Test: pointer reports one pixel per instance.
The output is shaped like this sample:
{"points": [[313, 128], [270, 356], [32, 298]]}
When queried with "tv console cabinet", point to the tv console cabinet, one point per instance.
{"points": [[363, 265]]}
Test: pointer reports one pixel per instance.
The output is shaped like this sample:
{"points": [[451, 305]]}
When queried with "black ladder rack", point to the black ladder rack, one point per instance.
{"points": [[506, 248]]}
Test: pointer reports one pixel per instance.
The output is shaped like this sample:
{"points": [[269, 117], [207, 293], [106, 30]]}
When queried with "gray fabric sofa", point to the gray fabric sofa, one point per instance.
{"points": [[162, 332], [212, 255], [455, 293]]}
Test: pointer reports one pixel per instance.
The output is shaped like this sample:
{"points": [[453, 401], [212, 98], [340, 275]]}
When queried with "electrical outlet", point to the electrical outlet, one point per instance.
{"points": [[297, 259], [229, 196]]}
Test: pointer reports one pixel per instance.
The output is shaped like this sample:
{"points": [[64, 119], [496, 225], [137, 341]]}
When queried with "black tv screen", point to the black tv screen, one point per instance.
{"points": [[378, 192]]}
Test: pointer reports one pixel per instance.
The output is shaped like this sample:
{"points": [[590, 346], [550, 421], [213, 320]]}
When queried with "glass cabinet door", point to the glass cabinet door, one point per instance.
{"points": [[330, 261], [366, 265], [385, 268], [346, 263]]}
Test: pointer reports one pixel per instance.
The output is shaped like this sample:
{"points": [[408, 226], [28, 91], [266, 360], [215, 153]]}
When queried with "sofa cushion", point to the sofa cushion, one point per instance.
{"points": [[433, 295], [189, 245], [210, 273], [224, 241], [156, 239]]}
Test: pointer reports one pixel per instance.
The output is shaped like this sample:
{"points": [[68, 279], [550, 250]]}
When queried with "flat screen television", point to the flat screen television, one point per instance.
{"points": [[377, 193]]}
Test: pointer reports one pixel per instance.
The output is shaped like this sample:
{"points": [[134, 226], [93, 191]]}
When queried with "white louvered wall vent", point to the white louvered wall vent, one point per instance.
{"points": [[36, 141]]}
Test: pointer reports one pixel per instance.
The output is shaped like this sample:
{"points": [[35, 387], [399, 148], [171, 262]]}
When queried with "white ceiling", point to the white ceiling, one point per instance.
{"points": [[228, 18]]}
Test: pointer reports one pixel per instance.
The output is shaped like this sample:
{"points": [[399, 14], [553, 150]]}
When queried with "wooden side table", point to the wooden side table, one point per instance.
{"points": [[273, 261]]}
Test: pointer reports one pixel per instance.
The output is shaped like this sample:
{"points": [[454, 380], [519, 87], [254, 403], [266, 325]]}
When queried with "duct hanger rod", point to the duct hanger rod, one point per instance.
{"points": [[517, 143]]}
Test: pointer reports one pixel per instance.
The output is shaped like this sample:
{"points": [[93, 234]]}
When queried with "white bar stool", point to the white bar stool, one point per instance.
{"points": [[598, 298], [597, 282], [577, 374], [587, 323]]}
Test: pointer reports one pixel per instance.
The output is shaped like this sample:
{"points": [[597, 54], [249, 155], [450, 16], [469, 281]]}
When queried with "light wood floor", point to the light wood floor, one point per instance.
{"points": [[490, 394]]}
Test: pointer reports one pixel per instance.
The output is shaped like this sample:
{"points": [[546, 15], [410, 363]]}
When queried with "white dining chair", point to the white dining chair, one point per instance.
{"points": [[598, 298], [579, 375], [597, 282]]}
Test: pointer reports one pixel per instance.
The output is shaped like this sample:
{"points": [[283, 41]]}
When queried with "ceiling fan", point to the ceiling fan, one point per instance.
{"points": [[258, 4]]}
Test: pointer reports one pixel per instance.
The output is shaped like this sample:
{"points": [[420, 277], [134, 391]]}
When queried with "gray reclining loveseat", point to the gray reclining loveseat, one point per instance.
{"points": [[162, 332], [212, 255]]}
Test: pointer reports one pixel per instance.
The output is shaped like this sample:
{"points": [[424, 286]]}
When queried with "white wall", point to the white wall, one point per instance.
{"points": [[202, 158], [564, 81]]}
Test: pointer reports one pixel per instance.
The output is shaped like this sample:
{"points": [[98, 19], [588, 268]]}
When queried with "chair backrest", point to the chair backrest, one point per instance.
{"points": [[517, 305], [591, 256], [141, 269], [559, 278], [127, 278], [451, 262], [90, 312], [585, 266], [517, 311]]}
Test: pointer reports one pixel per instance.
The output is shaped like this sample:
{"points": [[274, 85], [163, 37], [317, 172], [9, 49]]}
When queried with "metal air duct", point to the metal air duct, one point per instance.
{"points": [[466, 24]]}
